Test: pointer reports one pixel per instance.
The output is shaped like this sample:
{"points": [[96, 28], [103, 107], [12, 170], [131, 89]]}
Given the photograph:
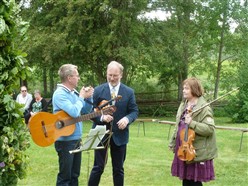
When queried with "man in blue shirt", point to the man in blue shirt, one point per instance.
{"points": [[66, 98]]}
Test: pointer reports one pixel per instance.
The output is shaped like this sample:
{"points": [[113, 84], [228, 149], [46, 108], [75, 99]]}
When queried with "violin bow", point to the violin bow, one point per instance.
{"points": [[207, 104]]}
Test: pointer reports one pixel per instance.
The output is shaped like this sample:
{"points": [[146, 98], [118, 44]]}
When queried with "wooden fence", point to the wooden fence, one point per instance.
{"points": [[172, 123]]}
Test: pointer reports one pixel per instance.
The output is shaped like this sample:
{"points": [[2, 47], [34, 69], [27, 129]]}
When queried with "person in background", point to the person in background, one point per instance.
{"points": [[74, 103], [118, 123], [37, 104], [201, 168], [24, 98]]}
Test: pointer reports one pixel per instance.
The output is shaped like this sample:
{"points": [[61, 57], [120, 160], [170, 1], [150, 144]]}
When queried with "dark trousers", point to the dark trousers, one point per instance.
{"points": [[191, 183], [69, 164], [118, 155]]}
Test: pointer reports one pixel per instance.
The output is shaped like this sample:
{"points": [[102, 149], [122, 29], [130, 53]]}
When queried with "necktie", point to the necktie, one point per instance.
{"points": [[113, 95]]}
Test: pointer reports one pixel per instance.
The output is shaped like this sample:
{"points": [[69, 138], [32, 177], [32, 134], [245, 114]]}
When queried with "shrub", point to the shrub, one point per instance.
{"points": [[238, 105], [14, 139]]}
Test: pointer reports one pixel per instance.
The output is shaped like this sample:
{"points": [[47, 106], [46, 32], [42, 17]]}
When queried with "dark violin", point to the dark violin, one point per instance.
{"points": [[105, 103], [186, 151]]}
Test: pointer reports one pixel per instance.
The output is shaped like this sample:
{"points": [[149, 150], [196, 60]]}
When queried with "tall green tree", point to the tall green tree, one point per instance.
{"points": [[238, 105], [14, 137], [219, 39], [89, 34], [198, 40], [180, 37], [46, 44]]}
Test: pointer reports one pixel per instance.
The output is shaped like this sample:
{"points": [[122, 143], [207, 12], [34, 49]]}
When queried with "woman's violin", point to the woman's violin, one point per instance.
{"points": [[186, 151]]}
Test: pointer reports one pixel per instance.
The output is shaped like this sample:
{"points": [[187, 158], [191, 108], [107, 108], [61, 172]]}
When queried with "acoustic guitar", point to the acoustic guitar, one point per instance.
{"points": [[45, 128]]}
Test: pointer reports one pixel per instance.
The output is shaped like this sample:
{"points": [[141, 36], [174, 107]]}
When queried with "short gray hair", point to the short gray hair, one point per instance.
{"points": [[116, 64], [37, 91], [66, 70]]}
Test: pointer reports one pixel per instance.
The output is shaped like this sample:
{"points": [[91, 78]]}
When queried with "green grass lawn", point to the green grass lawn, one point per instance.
{"points": [[148, 159]]}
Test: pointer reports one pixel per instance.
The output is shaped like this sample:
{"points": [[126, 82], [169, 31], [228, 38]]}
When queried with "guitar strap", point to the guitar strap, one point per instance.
{"points": [[48, 103], [88, 101]]}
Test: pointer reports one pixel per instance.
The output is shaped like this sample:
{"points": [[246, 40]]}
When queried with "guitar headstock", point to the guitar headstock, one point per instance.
{"points": [[109, 109]]}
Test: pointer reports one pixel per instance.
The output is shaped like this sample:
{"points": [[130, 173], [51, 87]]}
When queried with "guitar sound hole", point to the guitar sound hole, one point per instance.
{"points": [[60, 124]]}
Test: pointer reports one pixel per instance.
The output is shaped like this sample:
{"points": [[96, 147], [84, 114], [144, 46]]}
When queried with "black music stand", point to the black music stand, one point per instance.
{"points": [[93, 141]]}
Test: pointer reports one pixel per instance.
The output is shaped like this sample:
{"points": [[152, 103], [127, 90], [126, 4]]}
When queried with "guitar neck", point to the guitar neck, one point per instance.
{"points": [[85, 117]]}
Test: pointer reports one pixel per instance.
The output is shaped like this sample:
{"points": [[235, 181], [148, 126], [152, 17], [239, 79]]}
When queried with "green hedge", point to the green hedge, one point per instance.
{"points": [[14, 136]]}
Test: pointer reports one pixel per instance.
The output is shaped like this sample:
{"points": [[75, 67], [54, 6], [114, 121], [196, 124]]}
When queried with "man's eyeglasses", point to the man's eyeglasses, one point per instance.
{"points": [[23, 90], [77, 75]]}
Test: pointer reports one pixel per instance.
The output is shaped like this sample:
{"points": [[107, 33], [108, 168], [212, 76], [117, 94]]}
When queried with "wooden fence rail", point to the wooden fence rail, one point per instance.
{"points": [[171, 123]]}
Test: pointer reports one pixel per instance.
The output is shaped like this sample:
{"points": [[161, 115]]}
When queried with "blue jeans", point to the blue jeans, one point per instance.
{"points": [[69, 164]]}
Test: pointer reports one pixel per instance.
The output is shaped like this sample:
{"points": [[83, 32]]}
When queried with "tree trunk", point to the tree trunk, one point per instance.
{"points": [[23, 82], [179, 88], [51, 84], [221, 45], [44, 77], [184, 25]]}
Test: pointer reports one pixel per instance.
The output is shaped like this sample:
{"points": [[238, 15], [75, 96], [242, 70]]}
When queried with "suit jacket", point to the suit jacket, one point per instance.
{"points": [[126, 107]]}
